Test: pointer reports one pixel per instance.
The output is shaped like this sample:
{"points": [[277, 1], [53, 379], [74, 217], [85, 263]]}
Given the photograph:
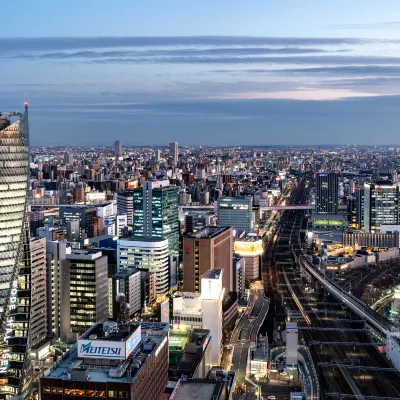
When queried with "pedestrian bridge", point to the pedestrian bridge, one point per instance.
{"points": [[285, 208]]}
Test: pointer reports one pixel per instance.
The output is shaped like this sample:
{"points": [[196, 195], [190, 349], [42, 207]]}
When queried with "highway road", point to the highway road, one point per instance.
{"points": [[246, 332]]}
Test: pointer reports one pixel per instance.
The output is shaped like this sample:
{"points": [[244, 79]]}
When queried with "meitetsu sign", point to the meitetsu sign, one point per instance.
{"points": [[109, 349]]}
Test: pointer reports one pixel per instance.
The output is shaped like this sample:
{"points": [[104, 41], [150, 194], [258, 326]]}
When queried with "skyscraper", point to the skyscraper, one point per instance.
{"points": [[155, 213], [118, 148], [173, 151], [326, 193], [381, 205], [15, 275], [236, 212]]}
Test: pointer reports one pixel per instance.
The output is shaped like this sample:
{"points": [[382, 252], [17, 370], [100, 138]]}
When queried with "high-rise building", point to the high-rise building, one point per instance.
{"points": [[39, 291], [206, 249], [235, 212], [327, 193], [381, 205], [125, 205], [15, 272], [68, 158], [155, 213], [84, 292], [147, 255], [173, 151], [359, 192], [118, 148]]}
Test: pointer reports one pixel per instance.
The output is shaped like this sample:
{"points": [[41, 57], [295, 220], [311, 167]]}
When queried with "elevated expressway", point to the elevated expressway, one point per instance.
{"points": [[380, 323]]}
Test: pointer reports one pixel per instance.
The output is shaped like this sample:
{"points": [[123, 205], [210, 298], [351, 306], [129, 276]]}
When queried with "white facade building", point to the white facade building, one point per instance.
{"points": [[146, 255], [204, 311], [393, 349]]}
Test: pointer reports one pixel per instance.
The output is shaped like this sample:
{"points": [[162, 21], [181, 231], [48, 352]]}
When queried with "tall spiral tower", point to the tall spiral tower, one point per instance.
{"points": [[15, 276]]}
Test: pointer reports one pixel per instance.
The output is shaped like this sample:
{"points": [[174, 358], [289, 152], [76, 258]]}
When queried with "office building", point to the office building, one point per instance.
{"points": [[173, 152], [291, 344], [238, 275], [126, 282], [118, 148], [150, 256], [199, 310], [38, 329], [377, 240], [68, 158], [155, 207], [326, 193], [206, 249], [109, 361], [82, 214], [235, 212], [125, 205], [15, 272], [381, 205], [251, 249], [84, 292], [359, 192]]}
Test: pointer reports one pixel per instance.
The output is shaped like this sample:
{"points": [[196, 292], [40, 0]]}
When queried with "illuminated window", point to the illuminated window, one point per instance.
{"points": [[91, 393], [46, 389]]}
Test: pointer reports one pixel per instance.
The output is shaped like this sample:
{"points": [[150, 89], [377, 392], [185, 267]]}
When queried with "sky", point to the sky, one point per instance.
{"points": [[256, 72]]}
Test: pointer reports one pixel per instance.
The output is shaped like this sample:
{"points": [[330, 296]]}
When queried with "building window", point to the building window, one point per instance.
{"points": [[117, 394], [46, 389]]}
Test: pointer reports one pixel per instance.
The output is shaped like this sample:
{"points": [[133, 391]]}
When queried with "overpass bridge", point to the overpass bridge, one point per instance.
{"points": [[381, 324], [288, 207]]}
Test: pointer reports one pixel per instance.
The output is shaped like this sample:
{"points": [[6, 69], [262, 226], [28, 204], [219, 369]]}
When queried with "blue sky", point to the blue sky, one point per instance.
{"points": [[204, 72]]}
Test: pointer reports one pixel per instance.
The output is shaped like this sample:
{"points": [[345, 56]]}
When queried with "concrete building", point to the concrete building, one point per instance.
{"points": [[291, 344], [235, 212], [128, 283], [118, 148], [208, 248], [84, 215], [326, 193], [38, 319], [393, 349], [379, 240], [150, 256], [381, 205], [125, 205], [173, 152], [156, 213], [238, 275], [251, 249], [111, 361], [200, 310], [84, 292], [190, 354]]}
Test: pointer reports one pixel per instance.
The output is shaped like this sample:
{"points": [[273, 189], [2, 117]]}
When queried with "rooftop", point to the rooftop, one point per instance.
{"points": [[208, 232], [195, 391], [71, 367], [212, 273]]}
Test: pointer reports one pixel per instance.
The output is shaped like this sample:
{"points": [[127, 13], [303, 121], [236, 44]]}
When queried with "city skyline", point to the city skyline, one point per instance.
{"points": [[270, 73]]}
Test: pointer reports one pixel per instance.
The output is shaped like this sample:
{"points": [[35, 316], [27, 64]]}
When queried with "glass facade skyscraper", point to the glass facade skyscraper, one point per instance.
{"points": [[327, 193], [155, 214], [15, 270], [381, 205]]}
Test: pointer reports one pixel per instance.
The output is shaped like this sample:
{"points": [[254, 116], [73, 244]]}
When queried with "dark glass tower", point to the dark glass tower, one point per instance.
{"points": [[155, 214], [327, 193], [15, 269]]}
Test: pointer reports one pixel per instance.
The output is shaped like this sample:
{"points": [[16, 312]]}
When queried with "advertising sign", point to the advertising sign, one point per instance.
{"points": [[101, 349]]}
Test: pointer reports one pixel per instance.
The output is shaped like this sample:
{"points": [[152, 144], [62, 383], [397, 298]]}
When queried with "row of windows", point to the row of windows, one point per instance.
{"points": [[89, 393]]}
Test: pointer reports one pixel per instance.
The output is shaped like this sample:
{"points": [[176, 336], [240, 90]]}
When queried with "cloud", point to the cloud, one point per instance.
{"points": [[300, 94], [188, 52], [80, 43], [349, 69], [373, 25]]}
